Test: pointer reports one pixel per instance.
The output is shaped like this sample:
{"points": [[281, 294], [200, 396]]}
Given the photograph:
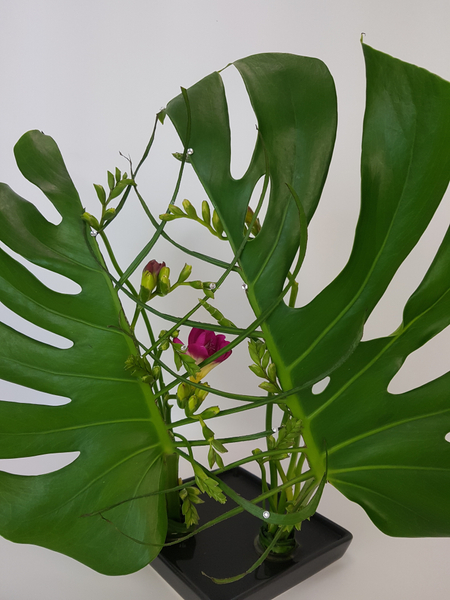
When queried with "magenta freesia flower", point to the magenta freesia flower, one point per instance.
{"points": [[201, 345]]}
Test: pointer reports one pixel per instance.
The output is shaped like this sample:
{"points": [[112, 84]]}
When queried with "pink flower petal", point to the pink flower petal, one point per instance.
{"points": [[198, 352], [195, 332]]}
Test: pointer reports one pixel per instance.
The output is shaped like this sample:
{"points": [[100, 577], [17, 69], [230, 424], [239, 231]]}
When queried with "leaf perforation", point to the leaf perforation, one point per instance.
{"points": [[390, 343], [93, 481]]}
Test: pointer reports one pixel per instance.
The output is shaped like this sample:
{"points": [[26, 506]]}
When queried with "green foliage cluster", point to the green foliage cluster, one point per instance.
{"points": [[386, 452]]}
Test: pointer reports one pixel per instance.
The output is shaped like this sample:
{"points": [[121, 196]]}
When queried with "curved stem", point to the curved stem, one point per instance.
{"points": [[231, 440], [199, 255], [136, 262]]}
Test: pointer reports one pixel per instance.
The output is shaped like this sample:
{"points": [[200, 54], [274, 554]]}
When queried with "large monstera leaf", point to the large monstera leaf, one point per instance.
{"points": [[386, 452], [111, 419]]}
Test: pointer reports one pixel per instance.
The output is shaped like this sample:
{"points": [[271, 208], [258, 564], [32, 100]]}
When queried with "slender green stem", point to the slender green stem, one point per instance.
{"points": [[227, 412], [139, 305], [303, 477], [273, 484], [231, 440], [144, 156], [269, 417], [137, 312], [147, 149], [189, 323], [298, 470], [183, 378], [235, 511], [222, 279], [293, 459], [136, 262], [204, 257], [111, 253]]}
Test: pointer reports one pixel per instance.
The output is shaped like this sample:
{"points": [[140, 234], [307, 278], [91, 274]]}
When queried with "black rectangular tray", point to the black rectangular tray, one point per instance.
{"points": [[228, 549]]}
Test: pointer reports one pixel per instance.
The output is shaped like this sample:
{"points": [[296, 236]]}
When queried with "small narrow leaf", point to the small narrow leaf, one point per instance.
{"points": [[111, 181]]}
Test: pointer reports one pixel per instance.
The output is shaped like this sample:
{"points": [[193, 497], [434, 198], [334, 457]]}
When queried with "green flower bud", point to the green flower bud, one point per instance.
{"points": [[210, 412], [201, 394], [184, 391], [199, 473], [272, 372], [248, 219], [211, 457], [156, 371], [219, 461], [164, 272], [197, 285], [165, 345], [167, 217], [206, 212], [108, 215], [111, 181], [190, 210], [193, 404], [217, 224], [265, 360], [163, 285], [91, 220], [175, 210], [207, 433], [269, 387], [219, 446], [253, 352], [185, 272], [101, 194], [208, 293], [258, 371], [148, 281]]}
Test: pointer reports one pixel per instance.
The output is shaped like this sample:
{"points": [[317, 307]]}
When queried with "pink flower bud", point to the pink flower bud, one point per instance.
{"points": [[154, 267], [150, 275]]}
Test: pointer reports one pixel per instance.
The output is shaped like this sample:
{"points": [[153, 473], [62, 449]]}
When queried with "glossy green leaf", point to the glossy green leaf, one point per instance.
{"points": [[386, 452], [110, 417]]}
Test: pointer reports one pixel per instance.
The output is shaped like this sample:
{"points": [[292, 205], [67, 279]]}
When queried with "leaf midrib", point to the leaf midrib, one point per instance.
{"points": [[71, 375], [74, 428], [60, 315]]}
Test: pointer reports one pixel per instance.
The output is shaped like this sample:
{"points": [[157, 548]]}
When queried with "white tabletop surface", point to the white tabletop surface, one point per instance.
{"points": [[375, 566]]}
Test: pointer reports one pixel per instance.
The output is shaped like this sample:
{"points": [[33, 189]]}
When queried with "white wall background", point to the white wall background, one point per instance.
{"points": [[93, 74]]}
